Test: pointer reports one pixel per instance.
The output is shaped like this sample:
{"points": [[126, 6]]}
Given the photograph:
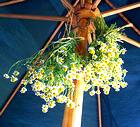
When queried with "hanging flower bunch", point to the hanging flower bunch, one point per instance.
{"points": [[52, 78]]}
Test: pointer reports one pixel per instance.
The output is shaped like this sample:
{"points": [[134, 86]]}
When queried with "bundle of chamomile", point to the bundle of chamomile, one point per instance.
{"points": [[52, 78]]}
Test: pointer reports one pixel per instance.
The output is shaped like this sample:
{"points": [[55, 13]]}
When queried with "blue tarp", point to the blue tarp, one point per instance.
{"points": [[22, 38]]}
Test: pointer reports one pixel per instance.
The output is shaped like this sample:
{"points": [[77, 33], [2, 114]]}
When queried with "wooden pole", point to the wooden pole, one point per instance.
{"points": [[72, 117], [121, 9]]}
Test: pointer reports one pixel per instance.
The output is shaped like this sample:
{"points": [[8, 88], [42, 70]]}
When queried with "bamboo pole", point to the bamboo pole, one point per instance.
{"points": [[11, 2], [43, 50], [33, 17], [121, 9], [130, 41], [124, 17]]}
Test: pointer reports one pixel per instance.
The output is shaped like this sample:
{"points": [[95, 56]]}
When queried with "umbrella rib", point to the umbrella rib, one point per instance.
{"points": [[11, 2], [99, 110], [96, 3], [34, 17], [67, 5], [124, 17], [121, 9], [130, 41]]}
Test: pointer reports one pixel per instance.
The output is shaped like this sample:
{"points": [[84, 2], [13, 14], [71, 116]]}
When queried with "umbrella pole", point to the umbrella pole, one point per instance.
{"points": [[72, 117]]}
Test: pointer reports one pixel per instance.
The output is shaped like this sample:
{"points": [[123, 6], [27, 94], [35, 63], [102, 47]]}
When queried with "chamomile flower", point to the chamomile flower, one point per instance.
{"points": [[98, 91], [123, 51], [61, 89], [51, 104], [91, 50], [23, 90], [65, 68], [38, 86], [45, 108], [73, 65], [15, 73], [61, 99], [87, 87], [60, 60], [123, 84], [6, 76], [106, 92], [92, 93], [24, 82], [70, 104], [13, 79]]}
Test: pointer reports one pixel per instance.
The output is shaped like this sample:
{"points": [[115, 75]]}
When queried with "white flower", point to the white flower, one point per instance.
{"points": [[45, 108], [52, 104], [13, 79], [37, 93], [87, 87], [94, 57], [98, 91], [60, 60], [6, 76], [92, 93], [23, 90], [70, 104], [123, 84], [24, 82], [69, 76], [38, 86], [61, 99], [123, 51], [15, 73], [65, 68], [91, 50]]}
